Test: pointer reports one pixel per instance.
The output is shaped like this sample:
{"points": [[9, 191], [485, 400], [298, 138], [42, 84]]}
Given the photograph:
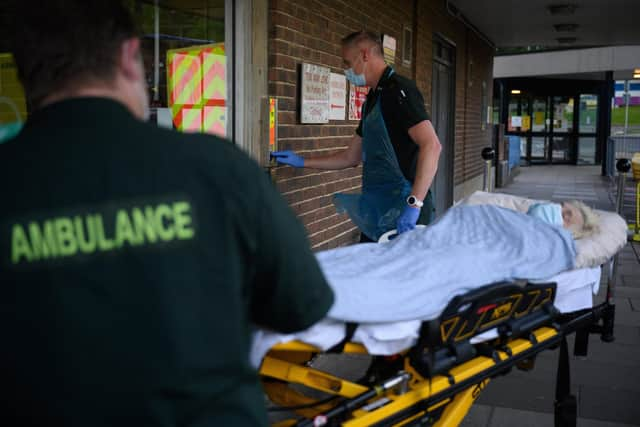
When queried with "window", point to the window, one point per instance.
{"points": [[407, 45], [184, 53]]}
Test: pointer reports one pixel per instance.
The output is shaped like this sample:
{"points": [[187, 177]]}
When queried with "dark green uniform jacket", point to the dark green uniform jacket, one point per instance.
{"points": [[133, 263]]}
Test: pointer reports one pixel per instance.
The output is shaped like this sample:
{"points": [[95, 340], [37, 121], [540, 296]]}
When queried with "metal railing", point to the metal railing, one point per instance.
{"points": [[620, 147]]}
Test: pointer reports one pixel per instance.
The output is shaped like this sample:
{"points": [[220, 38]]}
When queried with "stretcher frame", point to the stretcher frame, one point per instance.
{"points": [[436, 382], [439, 389]]}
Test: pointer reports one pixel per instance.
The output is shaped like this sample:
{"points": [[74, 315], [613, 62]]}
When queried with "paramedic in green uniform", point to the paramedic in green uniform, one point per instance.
{"points": [[394, 141], [134, 261]]}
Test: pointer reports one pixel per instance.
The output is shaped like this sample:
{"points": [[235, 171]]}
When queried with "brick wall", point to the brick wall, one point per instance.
{"points": [[310, 32]]}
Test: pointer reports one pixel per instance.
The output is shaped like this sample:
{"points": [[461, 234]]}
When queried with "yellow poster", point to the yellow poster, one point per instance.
{"points": [[389, 48], [526, 123], [538, 118]]}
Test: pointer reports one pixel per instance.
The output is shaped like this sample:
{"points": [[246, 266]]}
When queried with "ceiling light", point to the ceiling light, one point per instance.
{"points": [[636, 76], [568, 28], [636, 71], [516, 91], [561, 9], [566, 40]]}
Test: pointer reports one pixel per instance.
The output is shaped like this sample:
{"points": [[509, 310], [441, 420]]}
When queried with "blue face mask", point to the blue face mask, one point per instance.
{"points": [[551, 213], [355, 79], [9, 130]]}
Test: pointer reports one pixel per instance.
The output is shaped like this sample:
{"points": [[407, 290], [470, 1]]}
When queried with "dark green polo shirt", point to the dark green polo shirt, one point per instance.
{"points": [[134, 262]]}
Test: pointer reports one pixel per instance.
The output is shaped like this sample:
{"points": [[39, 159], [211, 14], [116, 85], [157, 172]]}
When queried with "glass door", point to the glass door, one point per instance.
{"points": [[539, 128], [517, 105], [562, 144], [587, 126]]}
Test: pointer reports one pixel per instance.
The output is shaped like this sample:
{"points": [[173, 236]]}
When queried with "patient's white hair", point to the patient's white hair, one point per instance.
{"points": [[590, 220]]}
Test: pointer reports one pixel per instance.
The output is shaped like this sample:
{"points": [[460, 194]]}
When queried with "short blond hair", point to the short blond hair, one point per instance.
{"points": [[590, 220]]}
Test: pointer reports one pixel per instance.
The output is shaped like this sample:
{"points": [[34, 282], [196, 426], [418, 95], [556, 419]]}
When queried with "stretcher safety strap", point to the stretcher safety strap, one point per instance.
{"points": [[350, 330]]}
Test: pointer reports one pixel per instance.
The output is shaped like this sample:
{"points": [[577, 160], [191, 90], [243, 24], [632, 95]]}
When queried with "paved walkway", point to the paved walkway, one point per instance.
{"points": [[606, 382]]}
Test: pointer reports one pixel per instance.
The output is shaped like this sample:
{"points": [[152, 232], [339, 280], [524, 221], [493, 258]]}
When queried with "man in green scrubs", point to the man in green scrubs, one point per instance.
{"points": [[134, 261]]}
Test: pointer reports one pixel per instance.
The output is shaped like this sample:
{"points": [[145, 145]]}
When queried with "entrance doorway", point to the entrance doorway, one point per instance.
{"points": [[554, 129], [443, 118]]}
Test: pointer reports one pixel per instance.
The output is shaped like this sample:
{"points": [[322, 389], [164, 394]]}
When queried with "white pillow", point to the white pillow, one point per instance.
{"points": [[508, 201], [592, 251]]}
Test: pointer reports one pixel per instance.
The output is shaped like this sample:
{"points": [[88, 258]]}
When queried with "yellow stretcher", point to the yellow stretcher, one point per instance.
{"points": [[435, 382]]}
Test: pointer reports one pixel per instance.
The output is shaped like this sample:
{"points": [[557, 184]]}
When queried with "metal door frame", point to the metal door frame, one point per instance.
{"points": [[449, 144]]}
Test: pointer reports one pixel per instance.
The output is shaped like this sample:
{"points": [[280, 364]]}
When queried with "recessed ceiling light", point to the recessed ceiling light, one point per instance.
{"points": [[516, 91], [569, 28], [566, 40], [636, 76], [561, 9]]}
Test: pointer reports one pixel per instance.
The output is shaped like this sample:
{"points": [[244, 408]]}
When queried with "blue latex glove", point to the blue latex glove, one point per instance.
{"points": [[407, 220], [288, 157]]}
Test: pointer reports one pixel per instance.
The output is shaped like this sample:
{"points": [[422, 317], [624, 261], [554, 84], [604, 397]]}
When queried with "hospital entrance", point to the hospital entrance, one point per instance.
{"points": [[554, 121]]}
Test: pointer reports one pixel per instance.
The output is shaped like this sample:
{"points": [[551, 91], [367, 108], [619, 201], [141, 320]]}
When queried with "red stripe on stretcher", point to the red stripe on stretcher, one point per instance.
{"points": [[486, 308]]}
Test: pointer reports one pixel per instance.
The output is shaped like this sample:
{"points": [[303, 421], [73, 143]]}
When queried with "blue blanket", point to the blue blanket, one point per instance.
{"points": [[417, 274]]}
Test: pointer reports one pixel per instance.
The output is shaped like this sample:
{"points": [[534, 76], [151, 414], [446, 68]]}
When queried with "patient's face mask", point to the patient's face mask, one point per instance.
{"points": [[551, 213]]}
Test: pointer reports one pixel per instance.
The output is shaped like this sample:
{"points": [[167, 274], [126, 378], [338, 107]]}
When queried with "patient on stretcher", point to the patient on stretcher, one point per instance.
{"points": [[388, 289], [443, 302], [573, 215]]}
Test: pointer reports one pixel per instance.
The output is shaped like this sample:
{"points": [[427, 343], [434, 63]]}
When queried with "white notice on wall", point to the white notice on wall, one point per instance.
{"points": [[337, 96], [516, 121], [389, 49], [314, 94]]}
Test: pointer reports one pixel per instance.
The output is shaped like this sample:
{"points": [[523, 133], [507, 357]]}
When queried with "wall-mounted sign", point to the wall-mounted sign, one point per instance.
{"points": [[314, 94], [337, 96], [357, 96], [389, 48], [516, 121]]}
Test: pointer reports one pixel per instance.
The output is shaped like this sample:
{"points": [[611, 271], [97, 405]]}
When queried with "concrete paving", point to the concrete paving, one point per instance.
{"points": [[606, 382]]}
